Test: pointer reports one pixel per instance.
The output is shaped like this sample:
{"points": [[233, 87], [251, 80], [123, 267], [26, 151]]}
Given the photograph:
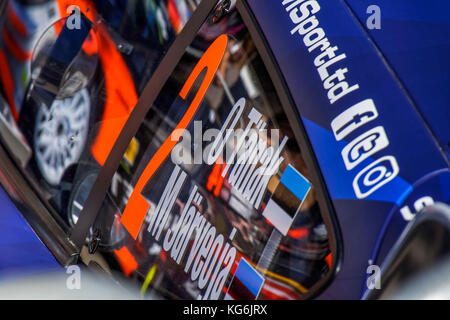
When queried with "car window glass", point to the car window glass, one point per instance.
{"points": [[213, 199], [70, 76]]}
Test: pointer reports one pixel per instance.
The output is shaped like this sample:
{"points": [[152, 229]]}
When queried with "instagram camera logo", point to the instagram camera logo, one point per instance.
{"points": [[375, 176]]}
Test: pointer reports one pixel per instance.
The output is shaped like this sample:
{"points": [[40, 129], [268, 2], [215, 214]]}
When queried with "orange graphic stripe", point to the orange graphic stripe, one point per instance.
{"points": [[137, 207], [126, 260], [14, 47], [17, 24], [121, 96]]}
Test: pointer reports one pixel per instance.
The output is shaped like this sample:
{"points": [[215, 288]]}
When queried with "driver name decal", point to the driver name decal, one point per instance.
{"points": [[209, 258]]}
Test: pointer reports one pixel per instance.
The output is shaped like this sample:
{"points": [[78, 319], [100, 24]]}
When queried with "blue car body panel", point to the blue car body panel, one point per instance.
{"points": [[417, 130], [21, 251], [415, 40]]}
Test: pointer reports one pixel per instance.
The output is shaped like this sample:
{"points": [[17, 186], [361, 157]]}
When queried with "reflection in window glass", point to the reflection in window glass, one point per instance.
{"points": [[217, 206], [67, 85]]}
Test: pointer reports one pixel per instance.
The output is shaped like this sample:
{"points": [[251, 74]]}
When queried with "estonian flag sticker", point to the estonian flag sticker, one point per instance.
{"points": [[246, 283], [287, 199]]}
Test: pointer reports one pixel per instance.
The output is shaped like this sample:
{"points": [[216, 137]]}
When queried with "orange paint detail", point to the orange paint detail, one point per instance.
{"points": [[174, 16], [14, 47], [215, 179], [163, 255], [90, 45], [8, 84], [328, 260], [268, 222], [298, 233], [121, 96], [86, 7], [15, 21], [126, 260], [137, 206]]}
